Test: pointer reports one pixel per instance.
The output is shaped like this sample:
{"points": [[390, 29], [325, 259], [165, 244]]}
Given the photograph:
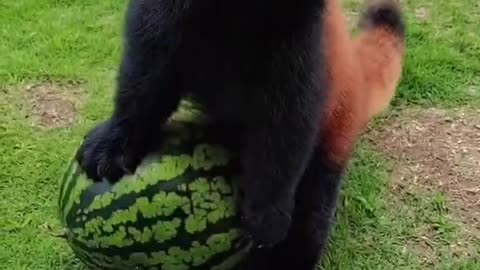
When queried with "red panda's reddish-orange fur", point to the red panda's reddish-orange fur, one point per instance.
{"points": [[363, 73]]}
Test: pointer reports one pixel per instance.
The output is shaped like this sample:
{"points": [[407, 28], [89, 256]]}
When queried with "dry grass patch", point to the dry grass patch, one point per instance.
{"points": [[437, 150], [53, 105]]}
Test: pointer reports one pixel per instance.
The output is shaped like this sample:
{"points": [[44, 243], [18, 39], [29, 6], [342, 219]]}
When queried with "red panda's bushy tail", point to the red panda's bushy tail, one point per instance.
{"points": [[380, 49], [385, 14]]}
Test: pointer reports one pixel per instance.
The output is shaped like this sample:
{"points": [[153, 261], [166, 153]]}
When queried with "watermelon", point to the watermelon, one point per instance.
{"points": [[175, 212]]}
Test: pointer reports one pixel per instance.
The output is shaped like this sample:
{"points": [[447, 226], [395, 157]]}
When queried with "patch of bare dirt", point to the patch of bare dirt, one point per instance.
{"points": [[437, 150], [53, 105], [473, 90], [422, 14]]}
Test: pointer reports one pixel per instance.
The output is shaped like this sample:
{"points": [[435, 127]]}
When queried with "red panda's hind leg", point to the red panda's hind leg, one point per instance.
{"points": [[316, 201]]}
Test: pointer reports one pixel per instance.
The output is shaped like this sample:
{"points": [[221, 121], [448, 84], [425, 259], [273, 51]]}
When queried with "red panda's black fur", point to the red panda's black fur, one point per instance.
{"points": [[362, 73], [285, 74]]}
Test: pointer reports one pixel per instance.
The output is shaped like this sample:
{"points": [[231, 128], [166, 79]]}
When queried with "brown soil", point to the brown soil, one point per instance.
{"points": [[52, 105], [437, 150]]}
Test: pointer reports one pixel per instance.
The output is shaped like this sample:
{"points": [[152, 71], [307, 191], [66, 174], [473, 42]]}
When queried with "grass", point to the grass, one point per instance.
{"points": [[442, 63], [79, 41], [379, 230]]}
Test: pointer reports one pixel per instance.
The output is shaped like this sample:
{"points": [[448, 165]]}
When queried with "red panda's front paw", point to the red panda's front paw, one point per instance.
{"points": [[106, 154]]}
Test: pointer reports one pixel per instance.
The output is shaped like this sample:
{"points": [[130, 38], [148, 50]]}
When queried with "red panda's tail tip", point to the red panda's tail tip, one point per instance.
{"points": [[384, 13]]}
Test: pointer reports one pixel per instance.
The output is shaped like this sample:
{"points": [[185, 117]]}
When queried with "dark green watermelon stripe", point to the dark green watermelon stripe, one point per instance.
{"points": [[69, 187], [219, 260], [182, 240], [221, 170], [124, 185], [128, 199], [80, 251], [74, 194], [99, 259], [109, 229], [70, 182], [66, 181], [85, 259], [146, 222]]}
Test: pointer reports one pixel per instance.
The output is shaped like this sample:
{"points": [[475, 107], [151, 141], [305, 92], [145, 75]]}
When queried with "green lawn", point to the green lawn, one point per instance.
{"points": [[75, 45]]}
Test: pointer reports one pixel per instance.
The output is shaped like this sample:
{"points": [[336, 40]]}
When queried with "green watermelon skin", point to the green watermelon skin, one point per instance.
{"points": [[175, 213]]}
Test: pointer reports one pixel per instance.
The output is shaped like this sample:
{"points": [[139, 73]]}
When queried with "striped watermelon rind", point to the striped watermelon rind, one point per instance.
{"points": [[176, 212]]}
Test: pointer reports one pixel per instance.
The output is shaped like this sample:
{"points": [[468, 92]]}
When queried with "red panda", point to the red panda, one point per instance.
{"points": [[362, 73], [279, 60]]}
